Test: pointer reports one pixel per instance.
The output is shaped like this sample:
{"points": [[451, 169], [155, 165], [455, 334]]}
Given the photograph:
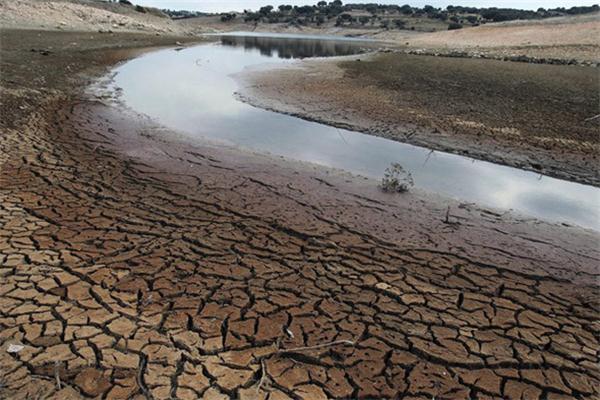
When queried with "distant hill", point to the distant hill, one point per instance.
{"points": [[384, 16]]}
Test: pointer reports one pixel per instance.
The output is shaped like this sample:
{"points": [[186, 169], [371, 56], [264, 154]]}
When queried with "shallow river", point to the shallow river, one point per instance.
{"points": [[191, 90]]}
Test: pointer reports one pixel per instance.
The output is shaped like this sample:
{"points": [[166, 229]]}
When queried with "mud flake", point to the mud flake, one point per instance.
{"points": [[92, 382]]}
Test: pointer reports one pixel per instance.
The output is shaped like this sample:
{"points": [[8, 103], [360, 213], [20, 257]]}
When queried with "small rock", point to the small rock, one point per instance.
{"points": [[14, 348]]}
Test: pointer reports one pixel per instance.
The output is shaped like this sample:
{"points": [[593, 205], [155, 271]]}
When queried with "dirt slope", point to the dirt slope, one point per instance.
{"points": [[573, 37], [81, 16]]}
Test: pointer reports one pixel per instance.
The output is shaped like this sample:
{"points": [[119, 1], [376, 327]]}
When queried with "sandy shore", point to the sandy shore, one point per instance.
{"points": [[135, 264]]}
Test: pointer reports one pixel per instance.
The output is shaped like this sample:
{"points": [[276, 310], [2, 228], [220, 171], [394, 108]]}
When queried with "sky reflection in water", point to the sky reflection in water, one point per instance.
{"points": [[191, 91]]}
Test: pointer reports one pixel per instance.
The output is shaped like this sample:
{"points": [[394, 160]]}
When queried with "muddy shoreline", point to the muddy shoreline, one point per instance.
{"points": [[135, 264], [541, 124]]}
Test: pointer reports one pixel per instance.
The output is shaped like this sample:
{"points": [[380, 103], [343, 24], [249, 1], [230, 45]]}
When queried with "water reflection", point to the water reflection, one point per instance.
{"points": [[290, 48], [196, 96]]}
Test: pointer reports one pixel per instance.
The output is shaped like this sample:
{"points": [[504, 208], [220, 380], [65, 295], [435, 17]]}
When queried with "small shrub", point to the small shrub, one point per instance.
{"points": [[343, 19], [227, 17], [396, 179], [454, 25], [399, 24]]}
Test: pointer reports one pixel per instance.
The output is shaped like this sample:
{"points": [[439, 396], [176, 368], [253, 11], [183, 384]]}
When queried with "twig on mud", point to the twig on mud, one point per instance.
{"points": [[57, 374], [342, 136], [318, 346], [428, 156], [410, 134], [592, 118], [264, 374], [447, 218]]}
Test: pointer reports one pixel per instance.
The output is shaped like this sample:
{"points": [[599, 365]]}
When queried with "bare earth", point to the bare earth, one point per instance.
{"points": [[572, 37], [137, 266]]}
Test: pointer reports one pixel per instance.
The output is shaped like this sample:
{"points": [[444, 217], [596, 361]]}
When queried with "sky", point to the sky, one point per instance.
{"points": [[239, 5]]}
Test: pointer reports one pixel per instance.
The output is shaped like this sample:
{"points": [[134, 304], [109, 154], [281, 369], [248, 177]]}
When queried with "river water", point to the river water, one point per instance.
{"points": [[191, 90]]}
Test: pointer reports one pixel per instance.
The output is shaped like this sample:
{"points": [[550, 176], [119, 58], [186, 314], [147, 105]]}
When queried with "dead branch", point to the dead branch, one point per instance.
{"points": [[57, 374], [263, 376], [318, 346]]}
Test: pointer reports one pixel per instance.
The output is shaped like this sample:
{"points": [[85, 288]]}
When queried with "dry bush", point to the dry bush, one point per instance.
{"points": [[396, 179]]}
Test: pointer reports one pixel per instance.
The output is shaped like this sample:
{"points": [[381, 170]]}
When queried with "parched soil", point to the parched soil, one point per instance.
{"points": [[84, 15], [561, 38], [535, 117], [137, 266]]}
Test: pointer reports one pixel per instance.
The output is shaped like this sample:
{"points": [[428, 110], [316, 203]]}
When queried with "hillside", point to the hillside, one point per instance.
{"points": [[382, 17], [83, 15]]}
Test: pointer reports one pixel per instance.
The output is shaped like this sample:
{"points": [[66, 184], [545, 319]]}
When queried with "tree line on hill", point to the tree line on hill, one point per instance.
{"points": [[383, 15], [343, 14]]}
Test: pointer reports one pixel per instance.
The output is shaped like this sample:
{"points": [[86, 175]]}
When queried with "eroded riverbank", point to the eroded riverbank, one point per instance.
{"points": [[135, 263]]}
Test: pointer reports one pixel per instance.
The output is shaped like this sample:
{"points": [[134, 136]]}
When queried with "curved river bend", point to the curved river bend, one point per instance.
{"points": [[191, 90]]}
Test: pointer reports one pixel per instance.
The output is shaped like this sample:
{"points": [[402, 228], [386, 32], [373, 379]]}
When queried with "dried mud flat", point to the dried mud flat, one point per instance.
{"points": [[138, 267]]}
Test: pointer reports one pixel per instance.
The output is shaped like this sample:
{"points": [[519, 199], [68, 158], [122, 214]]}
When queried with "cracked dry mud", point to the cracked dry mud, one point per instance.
{"points": [[134, 267]]}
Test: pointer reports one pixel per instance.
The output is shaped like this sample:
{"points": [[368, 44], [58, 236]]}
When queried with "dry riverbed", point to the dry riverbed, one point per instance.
{"points": [[134, 264]]}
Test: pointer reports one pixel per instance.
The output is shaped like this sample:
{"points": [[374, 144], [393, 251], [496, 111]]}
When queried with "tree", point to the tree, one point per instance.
{"points": [[265, 10], [406, 9], [333, 10], [227, 17], [305, 10], [251, 17], [429, 9], [372, 8], [343, 19]]}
